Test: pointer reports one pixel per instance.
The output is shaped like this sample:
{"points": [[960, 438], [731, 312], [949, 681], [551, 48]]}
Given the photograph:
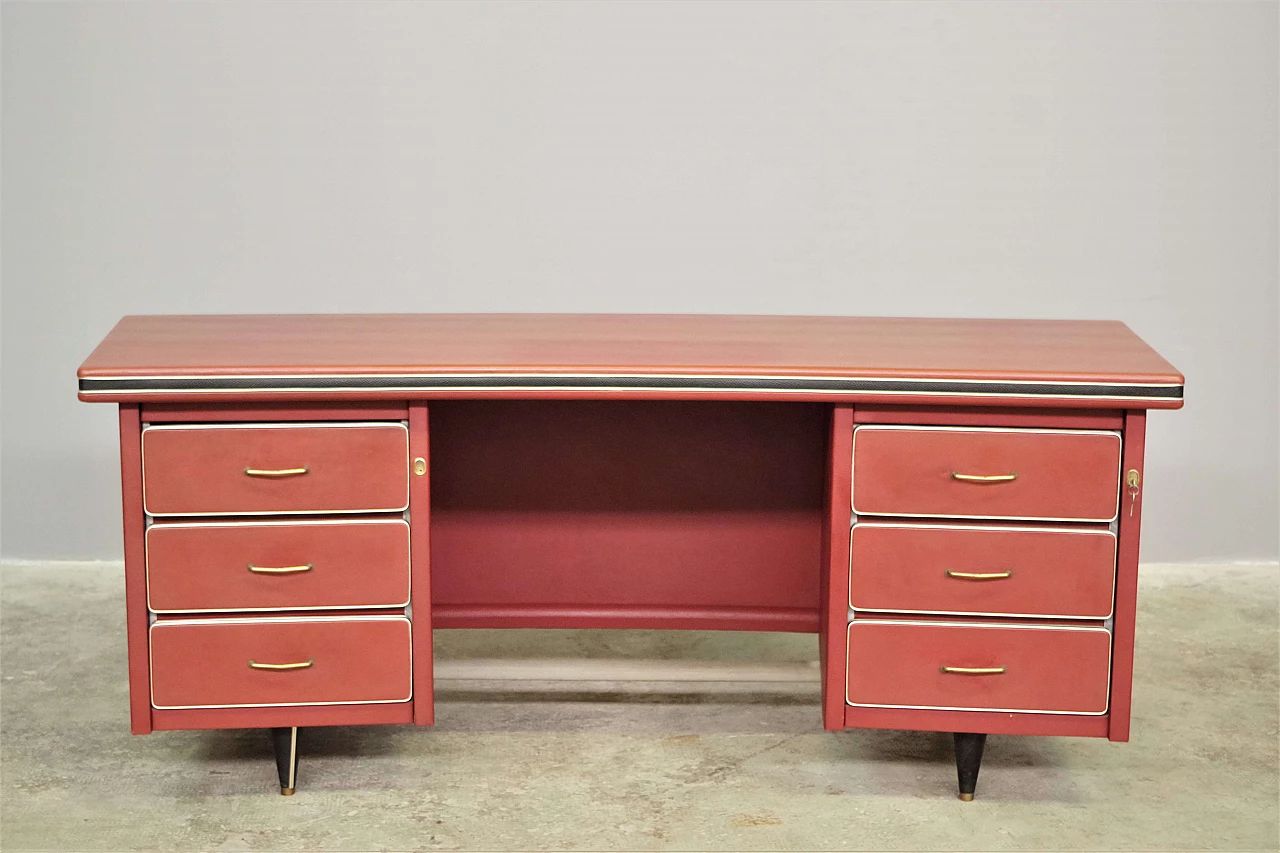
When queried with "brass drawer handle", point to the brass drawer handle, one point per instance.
{"points": [[277, 472], [972, 670], [979, 576], [984, 478], [302, 664], [280, 570]]}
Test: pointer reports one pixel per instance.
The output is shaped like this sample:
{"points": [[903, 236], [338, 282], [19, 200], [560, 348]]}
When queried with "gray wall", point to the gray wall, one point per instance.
{"points": [[1092, 160]]}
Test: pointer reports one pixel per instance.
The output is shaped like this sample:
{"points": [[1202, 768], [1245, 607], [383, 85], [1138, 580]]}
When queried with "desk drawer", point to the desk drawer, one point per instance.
{"points": [[263, 469], [1034, 669], [275, 565], [971, 472], [210, 663], [1006, 570]]}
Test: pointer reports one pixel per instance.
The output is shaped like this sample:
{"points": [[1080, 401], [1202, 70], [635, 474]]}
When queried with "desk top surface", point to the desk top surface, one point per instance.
{"points": [[331, 356]]}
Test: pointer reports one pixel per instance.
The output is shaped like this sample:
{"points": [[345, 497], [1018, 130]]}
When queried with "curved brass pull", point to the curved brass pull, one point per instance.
{"points": [[277, 472], [280, 570], [984, 478], [979, 576], [302, 664], [972, 670]]}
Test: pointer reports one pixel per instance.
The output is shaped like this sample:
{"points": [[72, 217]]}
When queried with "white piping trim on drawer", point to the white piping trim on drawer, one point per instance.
{"points": [[913, 428], [177, 622], [866, 622], [303, 425], [1011, 528], [335, 523]]}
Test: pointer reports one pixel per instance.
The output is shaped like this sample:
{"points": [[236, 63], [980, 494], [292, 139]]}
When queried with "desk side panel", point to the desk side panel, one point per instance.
{"points": [[1126, 607], [420, 566], [135, 569], [835, 595]]}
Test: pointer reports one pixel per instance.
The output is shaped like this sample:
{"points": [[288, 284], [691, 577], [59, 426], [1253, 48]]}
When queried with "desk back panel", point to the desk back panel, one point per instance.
{"points": [[644, 514]]}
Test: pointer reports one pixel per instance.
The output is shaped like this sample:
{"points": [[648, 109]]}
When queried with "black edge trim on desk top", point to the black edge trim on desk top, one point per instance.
{"points": [[180, 384]]}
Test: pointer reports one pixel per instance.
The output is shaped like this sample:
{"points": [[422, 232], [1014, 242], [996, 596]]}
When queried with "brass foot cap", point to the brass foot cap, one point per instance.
{"points": [[966, 798], [288, 792]]}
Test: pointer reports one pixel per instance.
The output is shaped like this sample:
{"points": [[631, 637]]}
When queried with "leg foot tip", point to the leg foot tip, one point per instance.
{"points": [[288, 792], [966, 798]]}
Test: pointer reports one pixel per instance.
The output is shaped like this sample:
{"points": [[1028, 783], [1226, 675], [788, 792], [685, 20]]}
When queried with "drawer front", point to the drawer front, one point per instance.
{"points": [[275, 468], [986, 571], [1042, 669], [206, 663], [954, 472], [277, 565]]}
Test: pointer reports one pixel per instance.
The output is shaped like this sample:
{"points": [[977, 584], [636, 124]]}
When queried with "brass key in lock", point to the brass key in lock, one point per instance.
{"points": [[1134, 480]]}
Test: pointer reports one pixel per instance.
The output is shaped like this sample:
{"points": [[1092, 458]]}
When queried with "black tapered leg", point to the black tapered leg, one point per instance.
{"points": [[968, 761], [285, 741]]}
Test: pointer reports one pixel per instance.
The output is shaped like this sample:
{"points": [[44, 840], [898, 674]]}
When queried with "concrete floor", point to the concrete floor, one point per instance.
{"points": [[682, 767]]}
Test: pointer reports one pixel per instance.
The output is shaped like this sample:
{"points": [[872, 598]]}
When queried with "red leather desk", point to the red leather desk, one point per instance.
{"points": [[953, 506]]}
